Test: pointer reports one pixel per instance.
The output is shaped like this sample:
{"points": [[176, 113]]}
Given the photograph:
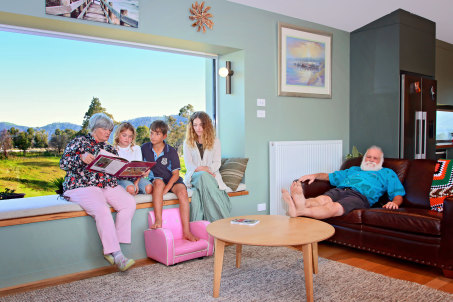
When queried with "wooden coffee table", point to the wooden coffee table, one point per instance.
{"points": [[272, 230]]}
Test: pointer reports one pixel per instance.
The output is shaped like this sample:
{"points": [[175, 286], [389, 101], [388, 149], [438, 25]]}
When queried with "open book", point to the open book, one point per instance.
{"points": [[112, 164], [244, 221]]}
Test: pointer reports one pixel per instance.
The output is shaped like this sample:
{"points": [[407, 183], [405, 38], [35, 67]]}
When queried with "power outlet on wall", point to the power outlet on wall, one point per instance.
{"points": [[261, 207]]}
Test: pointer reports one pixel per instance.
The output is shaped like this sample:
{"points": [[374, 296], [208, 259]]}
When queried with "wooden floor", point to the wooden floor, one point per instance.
{"points": [[387, 266], [383, 265]]}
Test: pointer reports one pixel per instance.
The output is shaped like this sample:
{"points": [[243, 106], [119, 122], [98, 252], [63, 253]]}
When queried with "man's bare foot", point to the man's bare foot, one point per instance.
{"points": [[189, 236], [289, 201], [297, 194], [157, 224]]}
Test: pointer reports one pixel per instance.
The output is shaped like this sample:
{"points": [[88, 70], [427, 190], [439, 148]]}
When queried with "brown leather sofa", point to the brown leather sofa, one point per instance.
{"points": [[413, 232]]}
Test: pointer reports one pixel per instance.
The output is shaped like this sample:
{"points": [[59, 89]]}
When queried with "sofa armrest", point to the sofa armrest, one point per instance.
{"points": [[316, 188], [198, 228], [446, 228], [159, 245]]}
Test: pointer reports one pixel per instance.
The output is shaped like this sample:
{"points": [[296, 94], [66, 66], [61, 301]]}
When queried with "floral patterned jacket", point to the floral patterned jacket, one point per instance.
{"points": [[77, 176]]}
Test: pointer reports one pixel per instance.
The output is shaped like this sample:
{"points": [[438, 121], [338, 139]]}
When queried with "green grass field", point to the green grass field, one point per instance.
{"points": [[33, 174]]}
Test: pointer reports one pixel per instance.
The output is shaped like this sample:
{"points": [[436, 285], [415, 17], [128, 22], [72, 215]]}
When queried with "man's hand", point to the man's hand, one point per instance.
{"points": [[311, 178], [391, 205], [395, 203]]}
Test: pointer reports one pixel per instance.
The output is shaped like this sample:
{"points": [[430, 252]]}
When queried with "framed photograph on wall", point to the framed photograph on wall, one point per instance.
{"points": [[120, 12], [304, 62]]}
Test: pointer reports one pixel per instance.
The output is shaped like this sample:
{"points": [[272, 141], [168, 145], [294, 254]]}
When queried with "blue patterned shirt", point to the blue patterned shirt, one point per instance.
{"points": [[372, 184]]}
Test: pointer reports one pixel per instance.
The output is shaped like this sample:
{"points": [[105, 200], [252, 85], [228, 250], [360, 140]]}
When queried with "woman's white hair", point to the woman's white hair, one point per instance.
{"points": [[100, 120]]}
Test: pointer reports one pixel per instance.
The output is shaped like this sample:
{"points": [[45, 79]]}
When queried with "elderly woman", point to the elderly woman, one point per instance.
{"points": [[95, 191]]}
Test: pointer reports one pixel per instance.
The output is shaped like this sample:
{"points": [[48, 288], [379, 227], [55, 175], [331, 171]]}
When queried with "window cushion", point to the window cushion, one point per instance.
{"points": [[232, 171], [442, 185]]}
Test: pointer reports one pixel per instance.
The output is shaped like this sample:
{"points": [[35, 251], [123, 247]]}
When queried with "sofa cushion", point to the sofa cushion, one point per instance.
{"points": [[316, 188], [353, 217], [417, 221], [418, 183], [232, 171]]}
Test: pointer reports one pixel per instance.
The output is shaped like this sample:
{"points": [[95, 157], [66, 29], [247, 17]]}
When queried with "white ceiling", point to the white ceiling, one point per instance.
{"points": [[349, 15]]}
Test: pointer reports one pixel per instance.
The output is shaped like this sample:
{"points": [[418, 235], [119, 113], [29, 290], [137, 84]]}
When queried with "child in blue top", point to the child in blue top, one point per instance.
{"points": [[166, 176]]}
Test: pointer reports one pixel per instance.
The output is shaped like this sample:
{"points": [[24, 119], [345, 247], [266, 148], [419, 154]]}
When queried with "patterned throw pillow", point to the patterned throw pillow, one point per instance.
{"points": [[232, 171], [442, 185]]}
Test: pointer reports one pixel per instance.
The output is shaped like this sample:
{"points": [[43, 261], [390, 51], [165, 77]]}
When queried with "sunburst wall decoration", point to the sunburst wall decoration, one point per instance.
{"points": [[200, 15]]}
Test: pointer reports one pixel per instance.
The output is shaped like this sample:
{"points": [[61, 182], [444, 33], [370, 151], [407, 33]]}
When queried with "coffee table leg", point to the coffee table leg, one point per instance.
{"points": [[238, 255], [315, 257], [218, 264], [308, 270]]}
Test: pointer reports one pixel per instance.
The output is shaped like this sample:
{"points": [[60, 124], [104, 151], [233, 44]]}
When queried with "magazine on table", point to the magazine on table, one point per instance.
{"points": [[112, 164], [244, 221]]}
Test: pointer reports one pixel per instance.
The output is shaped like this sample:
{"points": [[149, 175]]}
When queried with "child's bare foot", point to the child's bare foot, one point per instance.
{"points": [[189, 236], [297, 194], [157, 224], [289, 201]]}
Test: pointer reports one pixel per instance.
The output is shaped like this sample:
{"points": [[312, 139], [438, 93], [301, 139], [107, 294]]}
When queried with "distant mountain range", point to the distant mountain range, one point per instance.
{"points": [[50, 129]]}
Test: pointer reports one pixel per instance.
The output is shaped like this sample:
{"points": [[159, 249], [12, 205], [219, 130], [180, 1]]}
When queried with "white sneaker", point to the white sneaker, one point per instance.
{"points": [[125, 264], [110, 259]]}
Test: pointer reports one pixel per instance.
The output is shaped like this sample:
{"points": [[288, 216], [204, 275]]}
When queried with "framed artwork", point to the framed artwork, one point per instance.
{"points": [[120, 12], [304, 62]]}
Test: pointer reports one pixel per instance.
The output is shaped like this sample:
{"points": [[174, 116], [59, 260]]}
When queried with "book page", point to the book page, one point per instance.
{"points": [[133, 171], [105, 152], [107, 165]]}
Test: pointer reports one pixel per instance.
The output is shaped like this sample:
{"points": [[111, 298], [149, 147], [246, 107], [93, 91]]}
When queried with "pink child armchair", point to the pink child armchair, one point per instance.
{"points": [[167, 245]]}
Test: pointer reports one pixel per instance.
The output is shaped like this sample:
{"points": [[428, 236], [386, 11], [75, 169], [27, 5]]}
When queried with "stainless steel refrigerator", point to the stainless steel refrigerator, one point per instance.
{"points": [[418, 117]]}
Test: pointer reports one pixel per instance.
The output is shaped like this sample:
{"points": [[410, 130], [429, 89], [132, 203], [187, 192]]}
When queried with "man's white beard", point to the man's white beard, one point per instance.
{"points": [[370, 166]]}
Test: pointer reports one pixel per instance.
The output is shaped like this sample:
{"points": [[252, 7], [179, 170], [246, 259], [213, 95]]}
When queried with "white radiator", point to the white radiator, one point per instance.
{"points": [[290, 160]]}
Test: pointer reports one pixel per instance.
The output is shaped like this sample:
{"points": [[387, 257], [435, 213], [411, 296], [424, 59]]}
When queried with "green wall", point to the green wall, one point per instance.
{"points": [[247, 37], [444, 74], [243, 35]]}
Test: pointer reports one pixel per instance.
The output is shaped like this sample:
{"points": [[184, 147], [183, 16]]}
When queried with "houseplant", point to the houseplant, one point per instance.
{"points": [[58, 183], [10, 194], [354, 153]]}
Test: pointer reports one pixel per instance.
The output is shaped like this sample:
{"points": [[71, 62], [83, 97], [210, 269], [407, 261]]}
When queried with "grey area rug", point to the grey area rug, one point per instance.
{"points": [[266, 274]]}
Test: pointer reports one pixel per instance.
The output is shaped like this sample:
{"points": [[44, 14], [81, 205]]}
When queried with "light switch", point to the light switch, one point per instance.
{"points": [[261, 102], [261, 113]]}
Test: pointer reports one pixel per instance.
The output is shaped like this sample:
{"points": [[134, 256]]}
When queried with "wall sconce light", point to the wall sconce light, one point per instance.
{"points": [[226, 72]]}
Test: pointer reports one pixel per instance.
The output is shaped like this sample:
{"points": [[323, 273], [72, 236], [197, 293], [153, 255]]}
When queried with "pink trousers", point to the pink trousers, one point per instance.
{"points": [[95, 201]]}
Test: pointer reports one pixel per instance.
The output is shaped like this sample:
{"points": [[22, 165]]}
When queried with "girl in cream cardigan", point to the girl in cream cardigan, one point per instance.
{"points": [[202, 157]]}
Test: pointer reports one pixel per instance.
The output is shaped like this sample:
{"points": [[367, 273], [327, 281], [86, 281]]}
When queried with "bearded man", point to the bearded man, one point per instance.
{"points": [[356, 188]]}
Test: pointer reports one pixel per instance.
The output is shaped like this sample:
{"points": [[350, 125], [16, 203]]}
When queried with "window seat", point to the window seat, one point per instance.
{"points": [[51, 207]]}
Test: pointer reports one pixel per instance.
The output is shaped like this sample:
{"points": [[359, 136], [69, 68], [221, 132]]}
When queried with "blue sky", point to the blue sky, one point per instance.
{"points": [[45, 80]]}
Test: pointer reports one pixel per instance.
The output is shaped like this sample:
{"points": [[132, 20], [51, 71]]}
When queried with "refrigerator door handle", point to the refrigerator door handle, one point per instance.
{"points": [[424, 133], [420, 135]]}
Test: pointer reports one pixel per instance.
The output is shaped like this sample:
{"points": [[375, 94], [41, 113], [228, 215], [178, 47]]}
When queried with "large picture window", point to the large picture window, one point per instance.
{"points": [[49, 83]]}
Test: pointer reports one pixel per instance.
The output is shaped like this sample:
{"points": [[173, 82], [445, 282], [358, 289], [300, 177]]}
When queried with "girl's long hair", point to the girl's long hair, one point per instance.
{"points": [[208, 136], [123, 127]]}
